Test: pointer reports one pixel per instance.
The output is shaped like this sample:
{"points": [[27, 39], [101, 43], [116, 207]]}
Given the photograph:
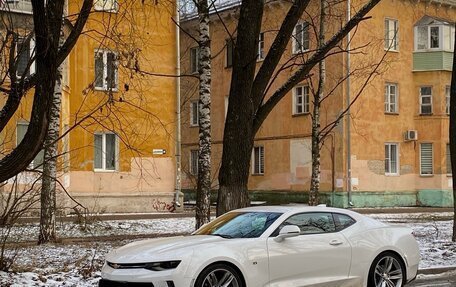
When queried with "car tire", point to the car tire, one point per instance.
{"points": [[387, 266], [212, 275]]}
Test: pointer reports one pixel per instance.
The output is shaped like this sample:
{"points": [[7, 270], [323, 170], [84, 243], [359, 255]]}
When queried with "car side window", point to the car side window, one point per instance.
{"points": [[342, 221], [312, 222]]}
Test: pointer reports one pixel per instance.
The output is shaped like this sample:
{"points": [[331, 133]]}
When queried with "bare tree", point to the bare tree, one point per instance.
{"points": [[248, 104], [203, 192]]}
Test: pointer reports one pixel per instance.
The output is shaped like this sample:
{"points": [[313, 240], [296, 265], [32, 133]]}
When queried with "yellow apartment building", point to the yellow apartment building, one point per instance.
{"points": [[392, 149], [119, 107]]}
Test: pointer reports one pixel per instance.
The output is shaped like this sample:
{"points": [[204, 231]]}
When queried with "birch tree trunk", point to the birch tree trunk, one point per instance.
{"points": [[316, 140], [203, 202], [48, 187]]}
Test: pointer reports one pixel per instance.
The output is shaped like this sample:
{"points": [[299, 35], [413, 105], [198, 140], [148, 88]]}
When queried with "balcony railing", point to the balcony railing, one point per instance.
{"points": [[18, 6]]}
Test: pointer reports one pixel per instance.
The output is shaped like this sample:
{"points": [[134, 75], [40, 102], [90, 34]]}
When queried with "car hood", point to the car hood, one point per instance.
{"points": [[160, 249]]}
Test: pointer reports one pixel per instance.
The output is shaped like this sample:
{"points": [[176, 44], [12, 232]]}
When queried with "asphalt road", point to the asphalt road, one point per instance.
{"points": [[443, 280]]}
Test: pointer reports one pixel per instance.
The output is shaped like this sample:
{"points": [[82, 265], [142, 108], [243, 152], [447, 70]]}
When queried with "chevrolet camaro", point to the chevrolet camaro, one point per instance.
{"points": [[273, 246]]}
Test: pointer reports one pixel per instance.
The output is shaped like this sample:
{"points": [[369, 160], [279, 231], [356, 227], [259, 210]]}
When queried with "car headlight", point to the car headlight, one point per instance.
{"points": [[154, 266]]}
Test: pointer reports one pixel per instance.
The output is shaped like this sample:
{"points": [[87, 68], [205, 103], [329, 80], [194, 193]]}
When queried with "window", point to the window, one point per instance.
{"points": [[391, 35], [426, 161], [21, 129], [301, 38], [447, 99], [391, 98], [105, 70], [227, 101], [106, 153], [342, 221], [25, 47], [194, 114], [448, 160], [194, 59], [301, 100], [426, 100], [311, 223], [106, 5], [194, 154], [229, 53], [434, 35], [258, 160], [391, 158], [261, 47]]}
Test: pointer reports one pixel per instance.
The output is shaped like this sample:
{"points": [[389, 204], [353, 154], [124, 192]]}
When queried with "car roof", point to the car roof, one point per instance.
{"points": [[297, 208]]}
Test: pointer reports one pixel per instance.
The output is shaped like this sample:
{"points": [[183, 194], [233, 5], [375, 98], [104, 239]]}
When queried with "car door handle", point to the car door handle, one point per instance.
{"points": [[335, 242]]}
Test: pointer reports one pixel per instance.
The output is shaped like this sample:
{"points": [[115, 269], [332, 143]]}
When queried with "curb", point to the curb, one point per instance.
{"points": [[436, 270]]}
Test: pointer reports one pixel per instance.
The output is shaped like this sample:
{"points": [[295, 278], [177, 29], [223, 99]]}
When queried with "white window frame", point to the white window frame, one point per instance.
{"points": [[194, 60], [194, 122], [227, 102], [388, 102], [193, 161], [305, 104], [103, 153], [261, 54], [105, 86], [391, 35], [258, 162], [428, 38], [388, 153], [106, 5], [31, 48], [447, 99], [300, 38], [425, 105], [421, 159]]}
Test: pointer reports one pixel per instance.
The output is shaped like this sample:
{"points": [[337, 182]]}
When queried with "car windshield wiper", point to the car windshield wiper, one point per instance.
{"points": [[223, 235]]}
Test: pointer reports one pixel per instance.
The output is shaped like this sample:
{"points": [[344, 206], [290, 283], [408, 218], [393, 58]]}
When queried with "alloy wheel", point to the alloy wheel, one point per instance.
{"points": [[220, 278], [388, 272]]}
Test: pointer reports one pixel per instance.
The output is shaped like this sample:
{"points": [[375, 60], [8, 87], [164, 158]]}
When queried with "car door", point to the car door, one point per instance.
{"points": [[319, 255]]}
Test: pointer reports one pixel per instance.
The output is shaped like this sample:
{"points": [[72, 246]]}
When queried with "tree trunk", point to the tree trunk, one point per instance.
{"points": [[452, 133], [316, 140], [203, 193], [48, 186], [238, 134]]}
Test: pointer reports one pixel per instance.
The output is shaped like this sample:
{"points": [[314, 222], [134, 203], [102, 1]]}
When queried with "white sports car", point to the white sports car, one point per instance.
{"points": [[272, 246]]}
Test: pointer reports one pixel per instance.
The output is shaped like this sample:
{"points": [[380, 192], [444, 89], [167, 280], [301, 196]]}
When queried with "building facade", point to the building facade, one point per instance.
{"points": [[118, 119], [390, 149]]}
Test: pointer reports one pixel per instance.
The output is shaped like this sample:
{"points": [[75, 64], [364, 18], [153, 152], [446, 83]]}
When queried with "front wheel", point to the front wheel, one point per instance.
{"points": [[219, 275], [387, 270]]}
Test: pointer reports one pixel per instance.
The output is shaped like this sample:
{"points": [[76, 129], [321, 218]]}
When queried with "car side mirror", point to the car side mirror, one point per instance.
{"points": [[287, 231]]}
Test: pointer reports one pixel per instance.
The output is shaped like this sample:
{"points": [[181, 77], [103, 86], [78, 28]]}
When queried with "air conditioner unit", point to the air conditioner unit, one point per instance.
{"points": [[411, 135]]}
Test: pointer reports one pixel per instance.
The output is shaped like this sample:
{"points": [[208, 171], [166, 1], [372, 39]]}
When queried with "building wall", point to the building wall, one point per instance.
{"points": [[286, 137]]}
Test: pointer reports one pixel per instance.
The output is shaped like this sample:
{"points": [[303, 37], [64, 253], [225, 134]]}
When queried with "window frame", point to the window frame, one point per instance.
{"points": [[388, 172], [391, 41], [194, 60], [229, 53], [426, 105], [104, 78], [103, 152], [101, 6], [260, 52], [305, 105], [447, 99], [421, 159], [258, 162], [388, 102], [194, 122], [30, 42], [34, 162], [193, 162], [296, 38]]}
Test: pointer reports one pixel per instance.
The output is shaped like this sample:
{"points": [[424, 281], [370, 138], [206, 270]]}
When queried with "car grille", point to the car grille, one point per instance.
{"points": [[109, 283]]}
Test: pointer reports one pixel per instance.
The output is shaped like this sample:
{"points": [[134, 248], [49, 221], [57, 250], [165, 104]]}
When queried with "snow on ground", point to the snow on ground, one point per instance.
{"points": [[80, 264]]}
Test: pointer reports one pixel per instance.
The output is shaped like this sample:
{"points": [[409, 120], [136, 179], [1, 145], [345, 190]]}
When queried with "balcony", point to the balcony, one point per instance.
{"points": [[16, 6], [432, 61]]}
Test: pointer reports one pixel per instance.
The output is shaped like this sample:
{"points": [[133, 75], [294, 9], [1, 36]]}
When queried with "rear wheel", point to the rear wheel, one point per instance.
{"points": [[387, 270], [219, 275]]}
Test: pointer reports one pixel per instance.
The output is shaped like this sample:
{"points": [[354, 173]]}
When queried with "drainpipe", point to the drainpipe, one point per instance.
{"points": [[178, 186], [349, 186]]}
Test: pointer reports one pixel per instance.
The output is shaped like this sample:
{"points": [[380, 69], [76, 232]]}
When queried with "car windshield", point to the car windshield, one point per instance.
{"points": [[239, 224]]}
